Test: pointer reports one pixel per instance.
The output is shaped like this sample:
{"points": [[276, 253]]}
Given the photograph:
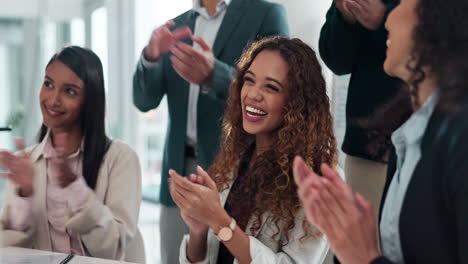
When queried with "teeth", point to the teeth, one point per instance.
{"points": [[255, 110], [53, 112]]}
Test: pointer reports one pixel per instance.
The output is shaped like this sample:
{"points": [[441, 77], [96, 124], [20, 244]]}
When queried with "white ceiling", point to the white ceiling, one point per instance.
{"points": [[54, 9]]}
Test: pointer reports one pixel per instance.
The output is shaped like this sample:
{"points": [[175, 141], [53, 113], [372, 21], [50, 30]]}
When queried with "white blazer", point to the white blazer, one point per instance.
{"points": [[264, 249]]}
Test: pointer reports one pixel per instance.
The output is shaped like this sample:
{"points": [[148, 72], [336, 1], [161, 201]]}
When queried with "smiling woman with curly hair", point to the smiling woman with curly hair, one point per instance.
{"points": [[277, 108]]}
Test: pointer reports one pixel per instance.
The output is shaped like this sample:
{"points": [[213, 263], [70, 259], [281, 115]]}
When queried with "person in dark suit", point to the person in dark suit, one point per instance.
{"points": [[424, 212], [193, 66]]}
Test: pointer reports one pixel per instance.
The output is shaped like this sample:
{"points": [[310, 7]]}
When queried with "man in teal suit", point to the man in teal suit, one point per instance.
{"points": [[194, 73]]}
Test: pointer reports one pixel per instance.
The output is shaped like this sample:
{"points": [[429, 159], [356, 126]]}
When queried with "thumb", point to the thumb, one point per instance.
{"points": [[300, 170], [202, 43], [206, 178], [20, 145], [330, 173], [182, 33]]}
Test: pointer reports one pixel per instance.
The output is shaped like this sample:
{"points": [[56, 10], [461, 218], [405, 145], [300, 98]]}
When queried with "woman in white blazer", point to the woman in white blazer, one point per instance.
{"points": [[277, 108], [76, 191]]}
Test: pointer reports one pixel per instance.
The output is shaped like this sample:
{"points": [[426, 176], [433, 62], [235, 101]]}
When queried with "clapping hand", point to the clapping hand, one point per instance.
{"points": [[343, 7], [193, 65], [162, 40], [369, 13], [20, 169], [345, 218], [197, 197]]}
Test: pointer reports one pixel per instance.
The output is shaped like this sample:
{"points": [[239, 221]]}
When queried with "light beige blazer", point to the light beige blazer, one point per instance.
{"points": [[107, 226]]}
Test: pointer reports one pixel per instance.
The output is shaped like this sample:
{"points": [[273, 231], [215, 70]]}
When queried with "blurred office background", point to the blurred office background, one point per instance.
{"points": [[31, 31]]}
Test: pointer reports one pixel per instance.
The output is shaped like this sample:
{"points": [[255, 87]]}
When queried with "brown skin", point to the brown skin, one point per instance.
{"points": [[264, 88], [61, 100], [369, 13], [400, 24], [343, 6]]}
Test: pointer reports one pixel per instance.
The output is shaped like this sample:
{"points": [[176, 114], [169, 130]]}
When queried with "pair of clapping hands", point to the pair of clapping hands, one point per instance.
{"points": [[193, 65], [346, 218], [198, 199], [369, 13], [20, 168]]}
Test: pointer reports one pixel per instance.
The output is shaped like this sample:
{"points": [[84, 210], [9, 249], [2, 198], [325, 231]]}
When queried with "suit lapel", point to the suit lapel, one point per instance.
{"points": [[189, 21], [192, 17], [231, 19]]}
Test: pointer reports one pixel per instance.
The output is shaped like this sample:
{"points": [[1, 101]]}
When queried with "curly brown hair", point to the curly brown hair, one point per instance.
{"points": [[307, 130]]}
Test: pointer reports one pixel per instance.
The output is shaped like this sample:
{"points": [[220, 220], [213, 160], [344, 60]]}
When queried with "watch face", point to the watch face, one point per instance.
{"points": [[225, 234]]}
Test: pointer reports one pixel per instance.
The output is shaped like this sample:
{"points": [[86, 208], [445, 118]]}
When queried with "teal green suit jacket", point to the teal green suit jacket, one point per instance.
{"points": [[244, 21]]}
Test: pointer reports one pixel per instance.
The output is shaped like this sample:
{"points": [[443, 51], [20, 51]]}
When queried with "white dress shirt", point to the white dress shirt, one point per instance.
{"points": [[206, 27], [407, 141]]}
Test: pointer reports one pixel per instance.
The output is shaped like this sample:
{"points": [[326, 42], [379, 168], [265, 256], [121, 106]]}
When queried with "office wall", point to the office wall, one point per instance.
{"points": [[305, 18]]}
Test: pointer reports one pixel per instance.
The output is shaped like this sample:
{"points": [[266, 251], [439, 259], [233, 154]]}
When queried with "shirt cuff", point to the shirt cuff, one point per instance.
{"points": [[77, 194], [21, 210], [146, 63]]}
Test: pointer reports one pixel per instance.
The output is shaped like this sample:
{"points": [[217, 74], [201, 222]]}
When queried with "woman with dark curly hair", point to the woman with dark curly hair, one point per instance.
{"points": [[424, 217], [277, 108]]}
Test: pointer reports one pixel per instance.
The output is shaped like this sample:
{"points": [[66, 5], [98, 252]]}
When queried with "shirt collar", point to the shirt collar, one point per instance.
{"points": [[46, 150], [201, 10], [414, 128]]}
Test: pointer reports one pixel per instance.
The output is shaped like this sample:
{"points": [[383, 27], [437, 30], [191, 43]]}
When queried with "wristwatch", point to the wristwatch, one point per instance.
{"points": [[225, 233]]}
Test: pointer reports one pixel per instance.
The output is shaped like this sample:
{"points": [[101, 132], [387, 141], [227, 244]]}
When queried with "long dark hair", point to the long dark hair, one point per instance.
{"points": [[87, 66], [440, 48]]}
